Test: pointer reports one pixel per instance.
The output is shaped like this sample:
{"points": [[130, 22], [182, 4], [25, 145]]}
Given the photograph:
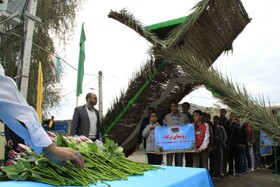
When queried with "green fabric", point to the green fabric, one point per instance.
{"points": [[168, 23], [80, 78], [214, 93]]}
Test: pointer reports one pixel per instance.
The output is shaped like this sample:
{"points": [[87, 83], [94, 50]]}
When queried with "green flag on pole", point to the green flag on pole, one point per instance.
{"points": [[80, 78]]}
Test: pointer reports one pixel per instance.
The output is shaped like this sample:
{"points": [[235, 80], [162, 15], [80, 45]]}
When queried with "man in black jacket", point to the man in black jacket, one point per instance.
{"points": [[238, 145], [86, 119]]}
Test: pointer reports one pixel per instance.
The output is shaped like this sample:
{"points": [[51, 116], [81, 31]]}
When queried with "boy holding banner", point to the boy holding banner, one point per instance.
{"points": [[149, 135], [173, 119], [200, 158]]}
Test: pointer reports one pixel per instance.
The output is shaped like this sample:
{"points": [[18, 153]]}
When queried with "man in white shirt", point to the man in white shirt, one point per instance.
{"points": [[23, 120], [86, 119]]}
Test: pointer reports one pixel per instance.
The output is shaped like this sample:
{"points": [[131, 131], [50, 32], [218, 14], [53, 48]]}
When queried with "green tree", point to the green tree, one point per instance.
{"points": [[58, 20]]}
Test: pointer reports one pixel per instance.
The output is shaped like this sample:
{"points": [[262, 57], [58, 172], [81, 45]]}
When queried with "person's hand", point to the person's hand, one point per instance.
{"points": [[61, 154], [10, 143], [152, 127], [198, 150]]}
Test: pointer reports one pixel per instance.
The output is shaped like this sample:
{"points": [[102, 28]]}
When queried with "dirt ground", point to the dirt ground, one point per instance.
{"points": [[261, 178]]}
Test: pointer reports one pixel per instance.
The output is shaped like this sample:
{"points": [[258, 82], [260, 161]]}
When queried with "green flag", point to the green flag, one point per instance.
{"points": [[80, 78]]}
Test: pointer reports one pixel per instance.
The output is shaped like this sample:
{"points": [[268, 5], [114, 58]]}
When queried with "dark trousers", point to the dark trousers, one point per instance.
{"points": [[201, 159], [216, 161], [244, 161], [154, 159], [249, 164], [225, 159], [277, 159], [189, 159], [213, 161], [230, 160], [178, 159], [257, 153], [235, 155]]}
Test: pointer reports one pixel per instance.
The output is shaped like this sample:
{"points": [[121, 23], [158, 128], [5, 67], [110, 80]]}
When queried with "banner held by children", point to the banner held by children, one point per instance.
{"points": [[169, 139]]}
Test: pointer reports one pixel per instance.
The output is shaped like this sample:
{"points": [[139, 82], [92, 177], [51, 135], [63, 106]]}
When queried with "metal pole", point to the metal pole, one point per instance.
{"points": [[100, 99], [29, 29]]}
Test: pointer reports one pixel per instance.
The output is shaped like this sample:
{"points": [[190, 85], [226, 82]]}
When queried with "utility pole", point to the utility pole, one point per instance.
{"points": [[100, 99], [29, 29]]}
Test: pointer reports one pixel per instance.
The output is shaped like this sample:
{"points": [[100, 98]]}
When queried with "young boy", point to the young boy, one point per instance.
{"points": [[200, 158], [149, 134], [174, 118]]}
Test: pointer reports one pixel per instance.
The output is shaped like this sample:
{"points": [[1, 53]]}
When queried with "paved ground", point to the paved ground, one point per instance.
{"points": [[262, 178]]}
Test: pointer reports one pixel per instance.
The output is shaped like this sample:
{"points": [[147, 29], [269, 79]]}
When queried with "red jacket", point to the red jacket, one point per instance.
{"points": [[200, 131]]}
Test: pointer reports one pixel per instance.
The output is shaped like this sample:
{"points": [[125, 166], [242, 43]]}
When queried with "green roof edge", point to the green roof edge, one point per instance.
{"points": [[166, 23]]}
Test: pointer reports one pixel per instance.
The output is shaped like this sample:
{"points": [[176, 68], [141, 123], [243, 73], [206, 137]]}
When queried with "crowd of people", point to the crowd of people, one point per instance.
{"points": [[226, 146]]}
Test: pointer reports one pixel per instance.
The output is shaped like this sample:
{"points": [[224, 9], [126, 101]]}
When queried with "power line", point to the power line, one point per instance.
{"points": [[58, 55], [45, 50]]}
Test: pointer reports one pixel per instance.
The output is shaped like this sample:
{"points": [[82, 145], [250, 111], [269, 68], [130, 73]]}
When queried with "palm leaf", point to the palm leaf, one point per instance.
{"points": [[129, 20], [232, 95]]}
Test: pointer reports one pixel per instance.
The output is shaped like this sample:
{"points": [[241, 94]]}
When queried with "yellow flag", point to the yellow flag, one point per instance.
{"points": [[40, 93]]}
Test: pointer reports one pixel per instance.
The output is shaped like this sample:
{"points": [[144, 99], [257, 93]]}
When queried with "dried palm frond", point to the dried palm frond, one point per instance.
{"points": [[208, 31], [129, 20], [234, 96]]}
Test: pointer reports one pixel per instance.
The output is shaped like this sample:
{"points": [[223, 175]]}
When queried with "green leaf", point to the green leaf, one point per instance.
{"points": [[23, 176], [89, 165], [42, 162], [31, 158], [12, 176], [11, 170], [84, 144], [20, 165], [119, 149], [27, 165], [60, 141], [92, 147]]}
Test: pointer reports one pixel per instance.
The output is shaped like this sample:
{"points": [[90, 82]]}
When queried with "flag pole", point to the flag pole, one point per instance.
{"points": [[77, 101]]}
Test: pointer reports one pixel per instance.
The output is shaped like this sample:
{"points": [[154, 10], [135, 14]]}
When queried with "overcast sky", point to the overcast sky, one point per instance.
{"points": [[118, 51]]}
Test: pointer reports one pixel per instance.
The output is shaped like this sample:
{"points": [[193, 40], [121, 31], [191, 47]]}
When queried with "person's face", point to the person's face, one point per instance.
{"points": [[232, 117], [92, 100], [197, 117], [185, 108], [216, 120], [153, 118], [174, 107], [222, 113]]}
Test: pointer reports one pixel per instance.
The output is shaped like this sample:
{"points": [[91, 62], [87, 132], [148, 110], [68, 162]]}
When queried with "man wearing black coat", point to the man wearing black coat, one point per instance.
{"points": [[86, 119]]}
